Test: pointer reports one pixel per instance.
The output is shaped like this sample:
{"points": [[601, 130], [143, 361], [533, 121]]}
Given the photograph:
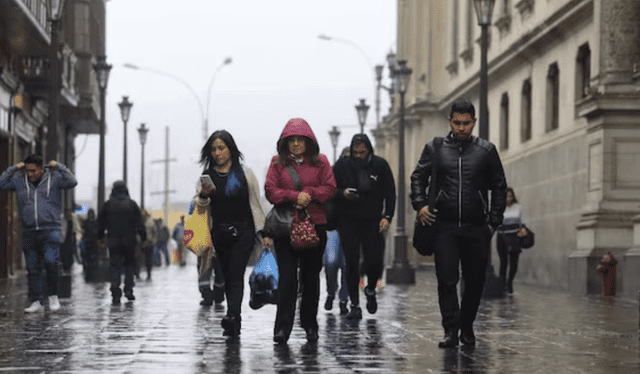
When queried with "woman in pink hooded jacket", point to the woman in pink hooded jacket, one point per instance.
{"points": [[298, 147]]}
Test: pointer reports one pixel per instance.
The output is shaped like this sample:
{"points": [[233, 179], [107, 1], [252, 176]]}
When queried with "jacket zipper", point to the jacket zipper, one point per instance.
{"points": [[35, 206], [484, 203], [460, 186]]}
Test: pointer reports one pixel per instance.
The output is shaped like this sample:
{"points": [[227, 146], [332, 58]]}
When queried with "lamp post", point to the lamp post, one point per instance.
{"points": [[142, 131], [54, 8], [205, 131], [401, 272], [125, 111], [493, 286], [102, 70], [484, 10], [203, 115], [364, 54], [334, 134], [362, 110], [391, 61]]}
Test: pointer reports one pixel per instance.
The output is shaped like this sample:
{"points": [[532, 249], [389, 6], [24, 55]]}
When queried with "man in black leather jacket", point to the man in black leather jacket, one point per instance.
{"points": [[468, 168]]}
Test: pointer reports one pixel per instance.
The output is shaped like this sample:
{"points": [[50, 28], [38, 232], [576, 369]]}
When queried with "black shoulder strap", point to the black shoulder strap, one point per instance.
{"points": [[435, 162], [295, 177]]}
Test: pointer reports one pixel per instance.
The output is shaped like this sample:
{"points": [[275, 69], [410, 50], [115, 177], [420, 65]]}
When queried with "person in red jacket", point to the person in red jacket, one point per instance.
{"points": [[298, 147]]}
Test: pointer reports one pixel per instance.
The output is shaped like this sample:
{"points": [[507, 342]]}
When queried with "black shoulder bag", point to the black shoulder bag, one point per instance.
{"points": [[279, 219], [424, 237]]}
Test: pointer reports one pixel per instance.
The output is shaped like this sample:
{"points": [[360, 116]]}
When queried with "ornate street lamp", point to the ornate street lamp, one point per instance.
{"points": [[142, 131], [484, 11], [54, 13], [102, 70], [493, 286], [334, 134], [125, 111], [362, 110], [391, 62], [401, 272], [378, 70]]}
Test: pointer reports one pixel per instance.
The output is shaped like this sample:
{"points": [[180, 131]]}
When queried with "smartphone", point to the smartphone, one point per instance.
{"points": [[205, 180]]}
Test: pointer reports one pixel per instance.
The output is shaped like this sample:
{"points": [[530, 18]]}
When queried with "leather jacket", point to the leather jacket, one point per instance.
{"points": [[467, 170]]}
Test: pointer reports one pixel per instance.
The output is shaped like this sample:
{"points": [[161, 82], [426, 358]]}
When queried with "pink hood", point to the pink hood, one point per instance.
{"points": [[299, 127]]}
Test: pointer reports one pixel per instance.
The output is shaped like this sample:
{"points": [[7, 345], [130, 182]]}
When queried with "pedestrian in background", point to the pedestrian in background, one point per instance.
{"points": [[89, 244], [333, 259], [235, 210], [298, 153], [39, 191], [120, 216], [162, 240], [365, 203], [508, 239], [178, 236], [149, 244], [468, 168]]}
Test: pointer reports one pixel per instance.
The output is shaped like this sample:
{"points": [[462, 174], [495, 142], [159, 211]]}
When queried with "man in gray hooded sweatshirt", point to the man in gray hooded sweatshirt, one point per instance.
{"points": [[39, 192]]}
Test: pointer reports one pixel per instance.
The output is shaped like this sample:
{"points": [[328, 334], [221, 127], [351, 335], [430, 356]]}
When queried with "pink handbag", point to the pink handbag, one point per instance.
{"points": [[303, 232]]}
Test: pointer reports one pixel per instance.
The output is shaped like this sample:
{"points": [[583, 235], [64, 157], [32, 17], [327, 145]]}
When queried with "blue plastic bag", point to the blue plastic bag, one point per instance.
{"points": [[263, 280]]}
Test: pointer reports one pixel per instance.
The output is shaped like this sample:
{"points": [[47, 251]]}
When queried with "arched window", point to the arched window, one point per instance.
{"points": [[525, 112], [583, 78], [504, 122], [553, 98]]}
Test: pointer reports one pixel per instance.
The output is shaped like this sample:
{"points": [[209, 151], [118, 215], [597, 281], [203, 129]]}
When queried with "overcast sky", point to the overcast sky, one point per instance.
{"points": [[280, 70]]}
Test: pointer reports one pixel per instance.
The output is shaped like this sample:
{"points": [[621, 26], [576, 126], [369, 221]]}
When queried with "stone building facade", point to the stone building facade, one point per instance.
{"points": [[564, 112], [25, 76]]}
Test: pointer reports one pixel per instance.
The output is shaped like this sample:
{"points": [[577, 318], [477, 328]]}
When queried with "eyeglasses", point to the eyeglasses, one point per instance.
{"points": [[462, 123]]}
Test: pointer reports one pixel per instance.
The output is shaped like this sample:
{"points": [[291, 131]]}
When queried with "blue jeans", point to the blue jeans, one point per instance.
{"points": [[334, 260], [42, 252]]}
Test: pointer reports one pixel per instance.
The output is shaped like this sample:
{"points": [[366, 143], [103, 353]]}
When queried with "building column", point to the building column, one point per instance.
{"points": [[612, 147]]}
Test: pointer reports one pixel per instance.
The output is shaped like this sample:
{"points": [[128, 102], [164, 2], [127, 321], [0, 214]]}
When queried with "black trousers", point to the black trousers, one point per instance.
{"points": [[509, 251], [310, 261], [466, 248], [122, 258], [233, 257], [355, 233]]}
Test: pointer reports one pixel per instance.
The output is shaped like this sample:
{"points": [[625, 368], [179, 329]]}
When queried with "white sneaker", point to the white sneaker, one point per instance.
{"points": [[54, 304], [35, 307]]}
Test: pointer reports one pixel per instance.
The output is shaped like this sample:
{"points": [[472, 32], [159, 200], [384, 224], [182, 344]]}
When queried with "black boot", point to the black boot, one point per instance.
{"points": [[450, 339], [116, 293], [231, 325]]}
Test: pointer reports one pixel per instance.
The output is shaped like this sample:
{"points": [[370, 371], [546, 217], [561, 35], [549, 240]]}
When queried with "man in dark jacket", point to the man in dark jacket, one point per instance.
{"points": [[467, 169], [39, 192], [365, 202], [122, 218]]}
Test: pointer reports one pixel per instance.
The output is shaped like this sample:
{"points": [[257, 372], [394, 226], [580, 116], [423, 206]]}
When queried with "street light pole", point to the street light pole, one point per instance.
{"points": [[102, 70], [401, 272], [493, 286], [205, 130], [364, 54], [142, 131], [334, 134], [125, 111], [55, 8], [362, 110]]}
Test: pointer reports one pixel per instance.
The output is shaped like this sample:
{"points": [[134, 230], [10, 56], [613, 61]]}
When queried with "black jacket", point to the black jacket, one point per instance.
{"points": [[467, 170], [373, 180], [121, 217]]}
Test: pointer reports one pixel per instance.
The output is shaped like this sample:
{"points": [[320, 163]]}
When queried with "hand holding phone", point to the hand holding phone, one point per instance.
{"points": [[207, 186]]}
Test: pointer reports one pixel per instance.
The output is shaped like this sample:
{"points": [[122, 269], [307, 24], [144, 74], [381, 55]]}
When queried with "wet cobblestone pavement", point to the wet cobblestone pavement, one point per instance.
{"points": [[166, 330]]}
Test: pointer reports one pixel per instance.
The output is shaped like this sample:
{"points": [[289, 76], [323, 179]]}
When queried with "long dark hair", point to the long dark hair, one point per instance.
{"points": [[206, 159], [311, 152]]}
